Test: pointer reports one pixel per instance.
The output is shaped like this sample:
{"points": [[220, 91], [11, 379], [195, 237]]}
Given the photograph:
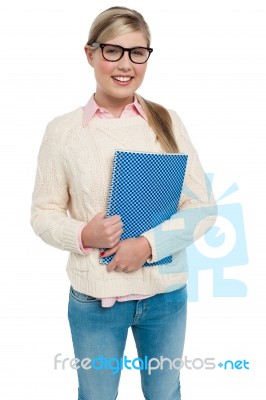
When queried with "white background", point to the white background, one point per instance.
{"points": [[209, 65]]}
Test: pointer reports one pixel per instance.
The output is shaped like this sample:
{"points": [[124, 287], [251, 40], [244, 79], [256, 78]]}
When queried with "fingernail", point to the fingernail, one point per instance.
{"points": [[102, 253]]}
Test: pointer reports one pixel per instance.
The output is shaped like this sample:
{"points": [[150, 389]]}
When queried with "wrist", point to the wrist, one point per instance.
{"points": [[146, 246], [85, 235]]}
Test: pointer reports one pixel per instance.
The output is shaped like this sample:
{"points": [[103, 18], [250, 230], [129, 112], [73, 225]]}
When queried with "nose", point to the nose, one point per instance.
{"points": [[125, 63]]}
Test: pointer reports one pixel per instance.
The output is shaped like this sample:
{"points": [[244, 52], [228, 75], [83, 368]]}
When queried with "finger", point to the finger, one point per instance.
{"points": [[111, 251], [118, 226], [101, 215], [115, 235], [118, 269], [115, 219], [118, 235], [111, 266]]}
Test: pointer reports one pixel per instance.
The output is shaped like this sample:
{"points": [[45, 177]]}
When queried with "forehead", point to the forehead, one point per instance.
{"points": [[130, 39]]}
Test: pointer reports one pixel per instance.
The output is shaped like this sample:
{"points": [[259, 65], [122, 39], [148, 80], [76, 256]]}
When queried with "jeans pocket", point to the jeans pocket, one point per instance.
{"points": [[82, 297]]}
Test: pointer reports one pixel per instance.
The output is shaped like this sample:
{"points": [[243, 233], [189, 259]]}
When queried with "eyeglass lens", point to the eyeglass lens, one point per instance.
{"points": [[114, 53]]}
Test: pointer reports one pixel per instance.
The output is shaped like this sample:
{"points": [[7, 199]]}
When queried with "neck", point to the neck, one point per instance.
{"points": [[114, 105]]}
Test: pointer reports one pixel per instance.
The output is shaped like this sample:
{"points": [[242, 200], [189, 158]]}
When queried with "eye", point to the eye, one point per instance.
{"points": [[139, 52], [112, 50]]}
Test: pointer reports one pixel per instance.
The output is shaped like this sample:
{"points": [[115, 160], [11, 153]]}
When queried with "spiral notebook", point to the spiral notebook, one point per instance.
{"points": [[145, 190]]}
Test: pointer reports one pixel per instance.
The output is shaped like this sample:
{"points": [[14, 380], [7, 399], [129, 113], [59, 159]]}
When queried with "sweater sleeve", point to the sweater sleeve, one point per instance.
{"points": [[197, 207], [49, 212]]}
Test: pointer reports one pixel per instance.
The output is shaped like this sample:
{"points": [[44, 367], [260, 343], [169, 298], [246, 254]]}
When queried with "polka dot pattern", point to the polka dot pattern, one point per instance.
{"points": [[145, 191]]}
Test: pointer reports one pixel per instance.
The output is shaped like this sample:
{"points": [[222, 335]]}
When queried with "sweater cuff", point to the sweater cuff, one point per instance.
{"points": [[161, 238], [160, 248], [69, 236]]}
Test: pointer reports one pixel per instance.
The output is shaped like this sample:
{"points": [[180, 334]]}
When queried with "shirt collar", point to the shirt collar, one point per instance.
{"points": [[91, 109]]}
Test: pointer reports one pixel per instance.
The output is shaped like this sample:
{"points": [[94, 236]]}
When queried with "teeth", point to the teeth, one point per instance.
{"points": [[122, 78]]}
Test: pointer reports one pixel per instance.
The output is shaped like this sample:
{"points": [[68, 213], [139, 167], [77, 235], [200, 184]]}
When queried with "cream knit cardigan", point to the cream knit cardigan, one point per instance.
{"points": [[72, 184]]}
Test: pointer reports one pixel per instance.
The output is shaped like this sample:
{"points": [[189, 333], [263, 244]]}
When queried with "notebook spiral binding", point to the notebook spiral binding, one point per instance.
{"points": [[113, 185]]}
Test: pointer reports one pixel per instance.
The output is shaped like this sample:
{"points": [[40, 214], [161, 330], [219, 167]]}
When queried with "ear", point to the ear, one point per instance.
{"points": [[89, 54]]}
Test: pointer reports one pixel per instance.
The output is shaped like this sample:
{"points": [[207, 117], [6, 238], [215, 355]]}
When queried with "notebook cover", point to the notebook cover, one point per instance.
{"points": [[145, 191]]}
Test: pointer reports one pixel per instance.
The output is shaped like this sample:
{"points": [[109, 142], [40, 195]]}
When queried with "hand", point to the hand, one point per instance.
{"points": [[102, 232], [130, 255]]}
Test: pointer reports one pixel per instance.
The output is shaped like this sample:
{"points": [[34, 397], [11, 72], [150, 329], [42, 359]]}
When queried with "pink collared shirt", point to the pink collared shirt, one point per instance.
{"points": [[92, 110]]}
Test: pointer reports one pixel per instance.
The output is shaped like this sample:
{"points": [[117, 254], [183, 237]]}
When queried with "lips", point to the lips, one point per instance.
{"points": [[122, 78]]}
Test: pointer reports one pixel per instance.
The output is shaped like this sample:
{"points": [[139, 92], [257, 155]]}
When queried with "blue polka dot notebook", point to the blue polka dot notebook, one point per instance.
{"points": [[145, 190]]}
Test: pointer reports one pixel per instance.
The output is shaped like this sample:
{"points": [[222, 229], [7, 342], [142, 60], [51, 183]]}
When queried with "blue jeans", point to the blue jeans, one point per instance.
{"points": [[158, 325]]}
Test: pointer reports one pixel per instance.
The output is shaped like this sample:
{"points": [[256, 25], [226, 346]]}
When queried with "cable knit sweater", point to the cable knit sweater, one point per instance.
{"points": [[72, 185]]}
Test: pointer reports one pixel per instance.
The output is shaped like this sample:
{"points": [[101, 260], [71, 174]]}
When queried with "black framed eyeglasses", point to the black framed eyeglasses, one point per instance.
{"points": [[113, 52]]}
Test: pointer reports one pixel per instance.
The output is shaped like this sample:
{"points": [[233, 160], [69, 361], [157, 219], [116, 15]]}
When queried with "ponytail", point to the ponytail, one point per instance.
{"points": [[160, 121]]}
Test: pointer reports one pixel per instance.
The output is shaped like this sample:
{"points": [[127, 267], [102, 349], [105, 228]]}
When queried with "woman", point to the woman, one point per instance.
{"points": [[68, 212]]}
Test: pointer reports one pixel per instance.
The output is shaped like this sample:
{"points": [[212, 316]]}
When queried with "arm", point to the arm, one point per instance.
{"points": [[49, 216], [196, 214], [50, 201], [197, 207]]}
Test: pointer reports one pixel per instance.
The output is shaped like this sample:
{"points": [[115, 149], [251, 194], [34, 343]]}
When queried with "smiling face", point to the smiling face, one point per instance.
{"points": [[117, 81]]}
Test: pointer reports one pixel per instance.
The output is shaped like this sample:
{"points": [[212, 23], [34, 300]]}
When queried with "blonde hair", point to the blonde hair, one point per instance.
{"points": [[116, 21]]}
